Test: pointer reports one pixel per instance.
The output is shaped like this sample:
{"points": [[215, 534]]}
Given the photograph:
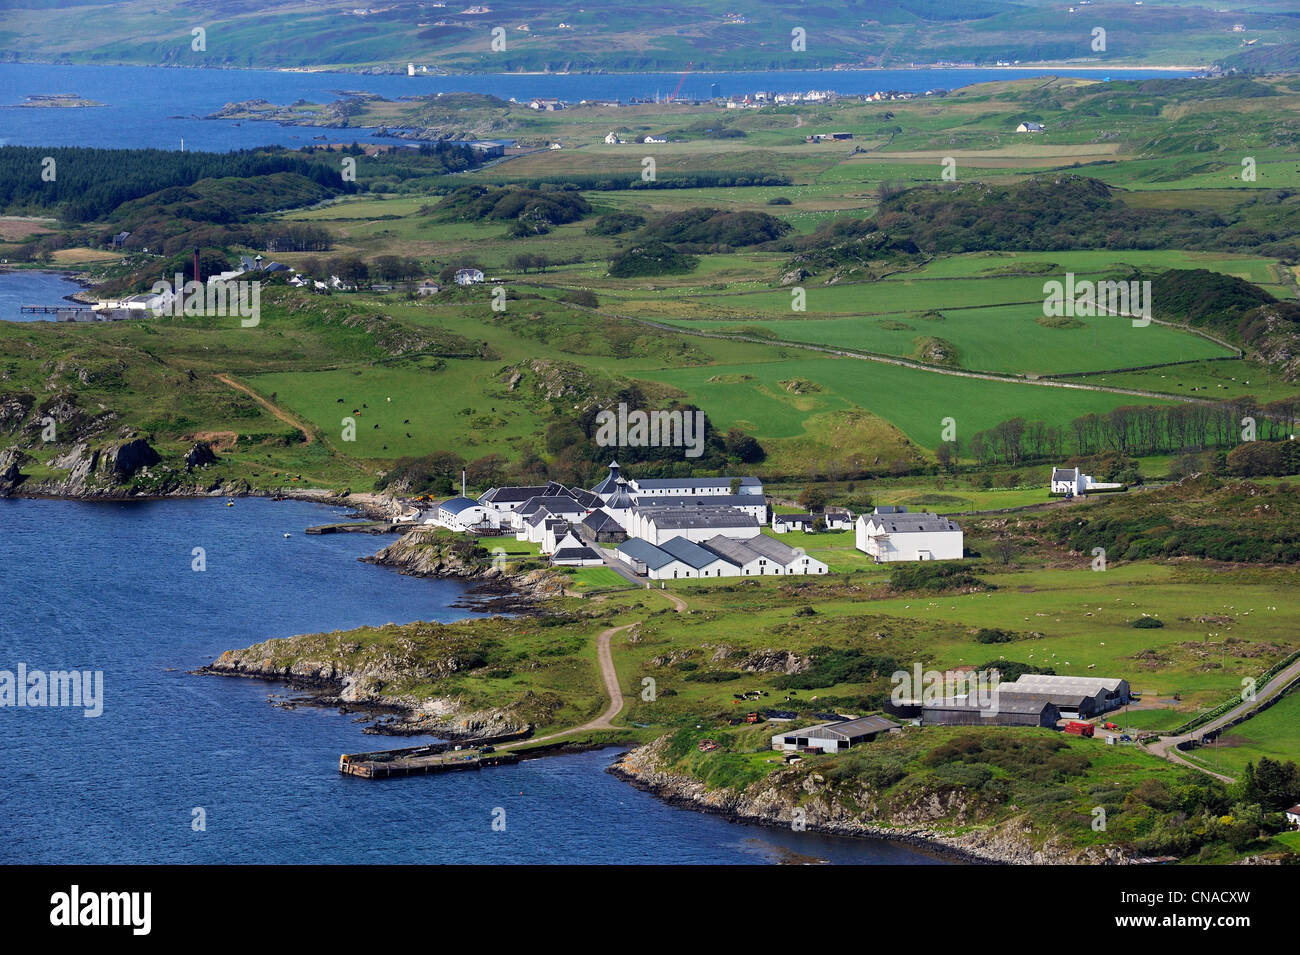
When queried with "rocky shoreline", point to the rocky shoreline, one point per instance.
{"points": [[351, 692], [768, 804]]}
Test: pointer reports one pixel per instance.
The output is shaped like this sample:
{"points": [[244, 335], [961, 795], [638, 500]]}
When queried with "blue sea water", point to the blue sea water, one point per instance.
{"points": [[110, 586], [19, 288], [158, 107]]}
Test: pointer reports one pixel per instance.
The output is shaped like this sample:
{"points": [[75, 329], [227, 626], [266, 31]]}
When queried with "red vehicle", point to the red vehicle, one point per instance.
{"points": [[1080, 729], [1110, 726]]}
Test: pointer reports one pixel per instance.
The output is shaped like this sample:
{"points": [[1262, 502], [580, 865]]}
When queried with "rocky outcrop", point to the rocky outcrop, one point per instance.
{"points": [[939, 820], [199, 456], [10, 474], [125, 459], [431, 552], [348, 674], [775, 661]]}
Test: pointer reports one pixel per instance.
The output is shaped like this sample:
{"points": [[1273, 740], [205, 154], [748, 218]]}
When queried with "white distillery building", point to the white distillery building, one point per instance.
{"points": [[643, 488], [920, 536], [656, 524], [463, 514]]}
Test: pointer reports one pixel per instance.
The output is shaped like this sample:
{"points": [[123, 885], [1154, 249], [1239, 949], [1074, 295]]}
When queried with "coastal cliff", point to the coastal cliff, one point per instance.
{"points": [[937, 819]]}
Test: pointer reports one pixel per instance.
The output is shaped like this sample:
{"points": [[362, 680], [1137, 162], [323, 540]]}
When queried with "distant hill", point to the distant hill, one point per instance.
{"points": [[627, 36]]}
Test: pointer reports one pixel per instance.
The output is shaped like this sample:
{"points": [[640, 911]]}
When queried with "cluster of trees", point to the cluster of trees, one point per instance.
{"points": [[439, 473], [89, 184], [354, 270], [1074, 212], [545, 207], [846, 245], [695, 180], [296, 237], [651, 258], [1134, 430], [702, 230], [616, 223]]}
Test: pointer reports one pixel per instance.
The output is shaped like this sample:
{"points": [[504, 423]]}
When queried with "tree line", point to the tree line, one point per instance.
{"points": [[1129, 431]]}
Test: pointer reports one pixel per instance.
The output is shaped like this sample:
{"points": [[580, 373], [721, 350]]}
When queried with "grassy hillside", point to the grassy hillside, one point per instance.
{"points": [[709, 34]]}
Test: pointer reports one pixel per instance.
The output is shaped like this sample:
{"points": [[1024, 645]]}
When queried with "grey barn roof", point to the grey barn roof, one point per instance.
{"points": [[600, 521], [923, 523], [686, 519], [701, 500], [771, 548], [848, 729], [689, 553], [512, 495], [646, 552], [689, 484], [1009, 703], [1086, 685]]}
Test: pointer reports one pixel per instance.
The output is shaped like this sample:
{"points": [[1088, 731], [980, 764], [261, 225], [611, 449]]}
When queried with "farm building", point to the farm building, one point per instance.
{"points": [[921, 536], [1106, 692], [1010, 710], [1293, 816], [657, 524], [468, 276], [1028, 127], [834, 737]]}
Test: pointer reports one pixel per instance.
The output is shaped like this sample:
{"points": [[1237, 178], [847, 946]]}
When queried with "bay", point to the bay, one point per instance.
{"points": [[110, 587]]}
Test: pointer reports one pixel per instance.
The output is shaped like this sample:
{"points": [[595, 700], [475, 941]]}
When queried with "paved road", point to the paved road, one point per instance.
{"points": [[1166, 746]]}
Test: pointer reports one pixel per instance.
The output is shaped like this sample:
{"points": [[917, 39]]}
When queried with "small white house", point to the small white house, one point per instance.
{"points": [[1293, 816], [469, 276], [1030, 128], [837, 519], [1074, 482], [785, 523], [612, 140], [920, 536], [428, 287]]}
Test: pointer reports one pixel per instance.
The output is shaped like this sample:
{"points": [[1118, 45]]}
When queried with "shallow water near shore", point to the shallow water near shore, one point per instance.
{"points": [[109, 587], [29, 287]]}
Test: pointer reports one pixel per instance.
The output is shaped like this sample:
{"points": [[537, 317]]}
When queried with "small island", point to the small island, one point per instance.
{"points": [[57, 101]]}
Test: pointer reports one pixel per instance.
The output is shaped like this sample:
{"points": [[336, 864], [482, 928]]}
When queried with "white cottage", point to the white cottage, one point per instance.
{"points": [[920, 536]]}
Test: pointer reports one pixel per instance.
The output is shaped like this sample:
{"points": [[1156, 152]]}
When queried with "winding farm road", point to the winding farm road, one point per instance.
{"points": [[610, 677], [279, 412], [1167, 746]]}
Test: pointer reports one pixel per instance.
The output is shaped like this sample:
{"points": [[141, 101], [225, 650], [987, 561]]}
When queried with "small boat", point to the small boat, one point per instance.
{"points": [[230, 503], [286, 535]]}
